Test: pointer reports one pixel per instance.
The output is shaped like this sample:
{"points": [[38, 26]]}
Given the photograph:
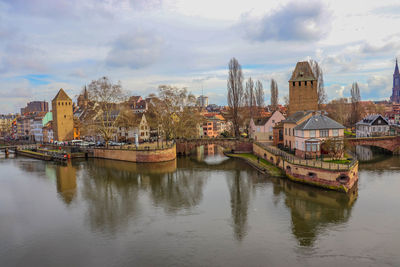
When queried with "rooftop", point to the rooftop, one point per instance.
{"points": [[319, 122], [302, 72]]}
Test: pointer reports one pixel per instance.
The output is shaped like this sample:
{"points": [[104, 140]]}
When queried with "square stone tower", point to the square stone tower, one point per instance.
{"points": [[63, 118], [303, 92]]}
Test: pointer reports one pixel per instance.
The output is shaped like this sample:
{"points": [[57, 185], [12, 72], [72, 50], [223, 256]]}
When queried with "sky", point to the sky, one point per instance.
{"points": [[46, 45]]}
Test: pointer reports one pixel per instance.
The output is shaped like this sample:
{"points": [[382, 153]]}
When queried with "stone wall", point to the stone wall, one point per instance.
{"points": [[184, 147], [391, 143], [156, 155], [312, 175]]}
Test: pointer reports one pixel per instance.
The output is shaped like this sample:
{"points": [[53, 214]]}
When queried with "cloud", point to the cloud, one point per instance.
{"points": [[295, 21], [135, 50]]}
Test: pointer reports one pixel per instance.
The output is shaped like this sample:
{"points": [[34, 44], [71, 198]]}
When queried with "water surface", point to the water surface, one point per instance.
{"points": [[200, 211]]}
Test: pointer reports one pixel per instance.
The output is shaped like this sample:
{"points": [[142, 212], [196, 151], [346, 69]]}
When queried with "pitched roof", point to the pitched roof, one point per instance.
{"points": [[302, 72], [319, 122], [370, 119], [295, 117], [61, 95], [261, 121]]}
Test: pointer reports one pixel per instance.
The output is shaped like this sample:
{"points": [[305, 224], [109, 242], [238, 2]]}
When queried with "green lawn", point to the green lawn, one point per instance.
{"points": [[339, 161], [262, 164]]}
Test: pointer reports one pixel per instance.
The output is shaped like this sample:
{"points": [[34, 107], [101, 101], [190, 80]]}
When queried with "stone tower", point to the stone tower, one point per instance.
{"points": [[396, 85], [63, 118], [303, 93]]}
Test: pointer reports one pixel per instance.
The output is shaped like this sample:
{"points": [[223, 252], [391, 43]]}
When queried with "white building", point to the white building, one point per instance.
{"points": [[202, 101], [372, 125]]}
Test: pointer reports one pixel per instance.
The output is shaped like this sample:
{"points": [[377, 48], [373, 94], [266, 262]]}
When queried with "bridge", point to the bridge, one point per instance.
{"points": [[185, 146], [391, 143]]}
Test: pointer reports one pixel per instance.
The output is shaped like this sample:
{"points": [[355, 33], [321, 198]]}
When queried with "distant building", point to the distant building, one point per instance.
{"points": [[202, 101], [396, 85], [137, 104], [35, 106], [261, 129], [63, 120], [311, 133], [214, 125], [303, 93], [83, 99], [372, 125], [139, 127]]}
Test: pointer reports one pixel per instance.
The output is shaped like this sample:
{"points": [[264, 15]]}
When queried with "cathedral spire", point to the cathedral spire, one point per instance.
{"points": [[396, 69]]}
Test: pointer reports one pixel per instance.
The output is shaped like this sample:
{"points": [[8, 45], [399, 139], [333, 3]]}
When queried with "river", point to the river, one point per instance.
{"points": [[207, 210]]}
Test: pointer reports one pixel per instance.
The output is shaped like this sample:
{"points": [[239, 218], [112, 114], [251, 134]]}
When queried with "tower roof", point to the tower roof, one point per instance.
{"points": [[396, 69], [61, 95], [302, 72]]}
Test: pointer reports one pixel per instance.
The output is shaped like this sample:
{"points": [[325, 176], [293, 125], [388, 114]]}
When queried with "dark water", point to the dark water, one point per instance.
{"points": [[203, 211]]}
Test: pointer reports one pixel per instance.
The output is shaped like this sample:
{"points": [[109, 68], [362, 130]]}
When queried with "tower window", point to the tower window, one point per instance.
{"points": [[311, 82], [299, 83], [305, 83], [294, 83]]}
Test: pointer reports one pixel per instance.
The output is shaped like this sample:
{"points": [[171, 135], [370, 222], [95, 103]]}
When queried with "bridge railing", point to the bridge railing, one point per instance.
{"points": [[308, 162]]}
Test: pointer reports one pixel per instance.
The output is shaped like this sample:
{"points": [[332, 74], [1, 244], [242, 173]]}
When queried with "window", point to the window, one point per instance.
{"points": [[311, 82], [285, 131], [312, 133], [308, 147], [335, 132], [305, 83], [323, 133], [297, 144], [294, 84]]}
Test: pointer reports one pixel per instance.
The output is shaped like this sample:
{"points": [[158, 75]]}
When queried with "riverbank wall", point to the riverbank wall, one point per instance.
{"points": [[333, 176], [35, 155], [133, 155]]}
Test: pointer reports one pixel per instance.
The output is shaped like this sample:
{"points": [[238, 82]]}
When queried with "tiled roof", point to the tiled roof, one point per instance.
{"points": [[61, 95], [295, 117], [302, 72], [261, 121], [369, 120], [319, 122]]}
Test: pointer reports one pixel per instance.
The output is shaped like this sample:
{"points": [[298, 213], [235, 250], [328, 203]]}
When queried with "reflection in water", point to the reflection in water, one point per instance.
{"points": [[239, 189], [313, 210], [66, 181], [210, 154]]}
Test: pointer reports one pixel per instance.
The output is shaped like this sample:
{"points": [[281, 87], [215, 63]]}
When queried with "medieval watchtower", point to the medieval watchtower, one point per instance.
{"points": [[63, 120], [303, 93]]}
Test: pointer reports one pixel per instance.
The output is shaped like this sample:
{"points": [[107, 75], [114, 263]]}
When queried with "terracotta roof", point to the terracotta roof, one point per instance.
{"points": [[302, 72], [61, 95]]}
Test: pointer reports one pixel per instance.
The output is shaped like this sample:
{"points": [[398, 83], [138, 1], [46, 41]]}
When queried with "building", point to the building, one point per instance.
{"points": [[311, 133], [202, 101], [395, 98], [83, 99], [214, 125], [36, 127], [303, 93], [63, 120], [277, 132], [137, 104], [372, 125], [6, 124], [140, 128], [35, 106], [288, 127], [261, 129], [47, 132]]}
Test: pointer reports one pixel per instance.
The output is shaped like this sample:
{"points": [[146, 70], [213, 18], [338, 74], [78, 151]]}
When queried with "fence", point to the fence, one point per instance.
{"points": [[307, 162]]}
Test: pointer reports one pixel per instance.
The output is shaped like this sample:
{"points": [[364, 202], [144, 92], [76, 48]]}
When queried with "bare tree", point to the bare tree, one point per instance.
{"points": [[235, 92], [249, 97], [173, 110], [259, 92], [106, 98], [317, 71], [274, 94], [355, 103]]}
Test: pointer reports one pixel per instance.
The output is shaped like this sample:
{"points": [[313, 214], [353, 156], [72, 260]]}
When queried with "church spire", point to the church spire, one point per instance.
{"points": [[396, 69]]}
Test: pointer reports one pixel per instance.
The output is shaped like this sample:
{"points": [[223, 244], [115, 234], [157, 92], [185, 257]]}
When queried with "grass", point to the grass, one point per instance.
{"points": [[339, 161], [262, 164]]}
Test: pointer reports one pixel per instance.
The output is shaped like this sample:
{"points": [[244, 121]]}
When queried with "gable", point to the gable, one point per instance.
{"points": [[380, 121]]}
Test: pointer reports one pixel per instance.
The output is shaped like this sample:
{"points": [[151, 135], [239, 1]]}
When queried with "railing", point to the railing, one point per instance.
{"points": [[307, 162]]}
